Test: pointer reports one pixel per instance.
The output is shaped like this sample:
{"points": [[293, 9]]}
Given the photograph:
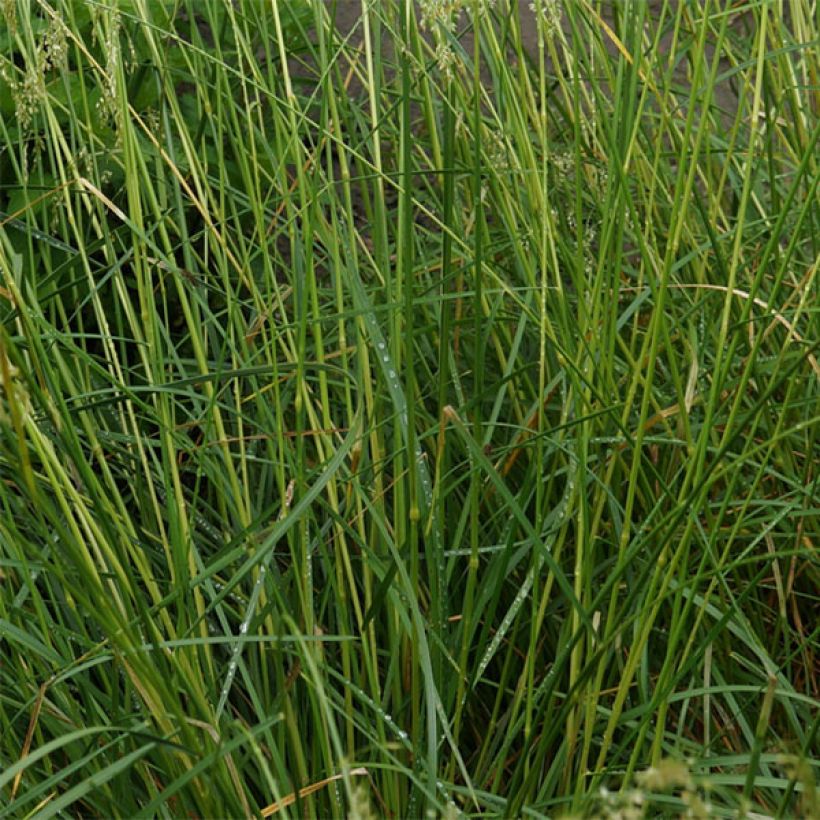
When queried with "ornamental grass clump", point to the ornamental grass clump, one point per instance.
{"points": [[408, 415]]}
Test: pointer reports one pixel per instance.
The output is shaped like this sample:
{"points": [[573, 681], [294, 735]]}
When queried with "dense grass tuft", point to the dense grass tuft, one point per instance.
{"points": [[406, 422]]}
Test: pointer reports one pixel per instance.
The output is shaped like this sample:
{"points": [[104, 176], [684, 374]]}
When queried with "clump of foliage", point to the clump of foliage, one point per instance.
{"points": [[406, 421]]}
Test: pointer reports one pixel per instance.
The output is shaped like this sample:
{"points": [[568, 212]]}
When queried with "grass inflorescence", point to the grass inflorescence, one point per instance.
{"points": [[417, 419]]}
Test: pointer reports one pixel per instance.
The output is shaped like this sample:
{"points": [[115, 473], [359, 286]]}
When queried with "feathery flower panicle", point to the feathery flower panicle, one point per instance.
{"points": [[50, 54], [550, 13], [445, 13], [445, 60], [668, 774], [442, 13], [107, 105], [55, 45], [9, 10]]}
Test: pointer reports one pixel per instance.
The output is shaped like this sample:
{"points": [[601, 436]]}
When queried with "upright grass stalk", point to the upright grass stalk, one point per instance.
{"points": [[408, 414]]}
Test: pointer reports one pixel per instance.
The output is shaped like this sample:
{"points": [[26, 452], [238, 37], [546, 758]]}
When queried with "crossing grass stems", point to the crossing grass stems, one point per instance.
{"points": [[407, 421]]}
